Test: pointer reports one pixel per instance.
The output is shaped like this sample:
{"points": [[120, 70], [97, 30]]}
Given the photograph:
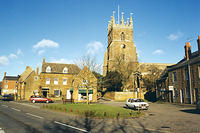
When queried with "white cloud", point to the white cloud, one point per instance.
{"points": [[62, 60], [41, 52], [4, 60], [176, 36], [46, 44], [94, 47], [19, 52], [158, 52], [12, 56]]}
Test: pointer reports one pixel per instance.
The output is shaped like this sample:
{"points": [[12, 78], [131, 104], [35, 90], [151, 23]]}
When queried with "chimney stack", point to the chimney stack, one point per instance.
{"points": [[27, 67], [37, 71], [43, 60], [187, 50], [198, 43], [4, 74]]}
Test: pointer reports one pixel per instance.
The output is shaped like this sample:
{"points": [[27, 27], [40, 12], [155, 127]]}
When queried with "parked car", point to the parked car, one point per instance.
{"points": [[8, 97], [136, 103], [1, 97], [35, 99]]}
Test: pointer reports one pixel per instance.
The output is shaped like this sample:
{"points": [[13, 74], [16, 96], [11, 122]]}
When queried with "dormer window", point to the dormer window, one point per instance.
{"points": [[48, 70], [65, 70]]}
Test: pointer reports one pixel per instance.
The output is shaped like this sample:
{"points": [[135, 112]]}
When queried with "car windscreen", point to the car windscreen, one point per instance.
{"points": [[137, 100]]}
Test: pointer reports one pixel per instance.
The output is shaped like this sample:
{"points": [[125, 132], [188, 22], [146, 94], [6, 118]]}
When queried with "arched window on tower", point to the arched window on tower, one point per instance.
{"points": [[122, 36], [65, 70], [48, 69]]}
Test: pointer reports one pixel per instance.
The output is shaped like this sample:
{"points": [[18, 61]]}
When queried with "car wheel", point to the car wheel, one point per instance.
{"points": [[47, 101], [33, 101]]}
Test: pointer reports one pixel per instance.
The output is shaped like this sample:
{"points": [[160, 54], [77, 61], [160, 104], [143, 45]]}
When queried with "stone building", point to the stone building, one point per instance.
{"points": [[121, 55], [56, 79], [120, 45], [121, 52], [9, 84], [67, 81], [28, 84], [181, 82], [83, 82]]}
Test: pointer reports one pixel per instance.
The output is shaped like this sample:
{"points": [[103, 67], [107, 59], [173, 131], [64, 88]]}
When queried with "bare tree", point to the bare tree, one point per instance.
{"points": [[90, 62], [126, 70], [150, 78], [87, 79]]}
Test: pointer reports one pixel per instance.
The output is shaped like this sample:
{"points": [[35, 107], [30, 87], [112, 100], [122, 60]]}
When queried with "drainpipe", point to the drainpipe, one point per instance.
{"points": [[191, 101]]}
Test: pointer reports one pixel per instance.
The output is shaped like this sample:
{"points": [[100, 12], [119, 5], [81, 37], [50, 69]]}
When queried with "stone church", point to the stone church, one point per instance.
{"points": [[121, 54]]}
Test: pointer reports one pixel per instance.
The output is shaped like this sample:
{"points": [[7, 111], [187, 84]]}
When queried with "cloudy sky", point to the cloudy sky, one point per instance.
{"points": [[64, 30]]}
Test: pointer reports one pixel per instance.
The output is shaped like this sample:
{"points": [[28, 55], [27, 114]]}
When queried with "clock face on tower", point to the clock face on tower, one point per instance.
{"points": [[123, 46]]}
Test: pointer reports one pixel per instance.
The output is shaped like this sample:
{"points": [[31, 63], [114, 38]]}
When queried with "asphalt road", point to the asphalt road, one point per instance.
{"points": [[161, 118]]}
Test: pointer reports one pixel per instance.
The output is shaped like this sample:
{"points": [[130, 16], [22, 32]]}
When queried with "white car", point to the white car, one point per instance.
{"points": [[136, 103]]}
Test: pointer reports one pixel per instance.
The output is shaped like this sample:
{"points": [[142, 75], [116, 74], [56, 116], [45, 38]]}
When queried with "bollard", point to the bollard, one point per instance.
{"points": [[104, 113], [118, 115]]}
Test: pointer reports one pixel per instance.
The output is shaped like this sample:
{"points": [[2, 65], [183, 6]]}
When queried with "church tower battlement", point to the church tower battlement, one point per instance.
{"points": [[120, 43]]}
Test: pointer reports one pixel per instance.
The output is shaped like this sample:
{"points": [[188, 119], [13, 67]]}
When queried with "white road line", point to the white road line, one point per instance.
{"points": [[71, 126], [4, 105], [35, 115], [16, 109]]}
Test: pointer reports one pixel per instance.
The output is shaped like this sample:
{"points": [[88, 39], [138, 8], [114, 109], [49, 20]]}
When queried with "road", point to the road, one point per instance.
{"points": [[161, 118]]}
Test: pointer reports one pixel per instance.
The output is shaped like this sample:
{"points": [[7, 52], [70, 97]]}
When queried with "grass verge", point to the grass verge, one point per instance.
{"points": [[94, 110]]}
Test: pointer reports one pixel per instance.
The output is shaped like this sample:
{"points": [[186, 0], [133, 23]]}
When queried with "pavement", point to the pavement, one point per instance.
{"points": [[161, 118]]}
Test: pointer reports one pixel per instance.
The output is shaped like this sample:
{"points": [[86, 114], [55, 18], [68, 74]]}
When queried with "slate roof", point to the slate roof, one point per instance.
{"points": [[11, 78], [195, 58], [58, 68], [25, 74]]}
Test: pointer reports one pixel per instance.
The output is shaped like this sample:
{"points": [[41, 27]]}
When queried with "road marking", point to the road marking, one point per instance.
{"points": [[35, 115], [4, 105], [16, 109], [71, 126]]}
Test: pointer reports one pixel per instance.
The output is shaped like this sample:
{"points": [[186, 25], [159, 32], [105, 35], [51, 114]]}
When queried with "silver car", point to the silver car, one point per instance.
{"points": [[136, 103]]}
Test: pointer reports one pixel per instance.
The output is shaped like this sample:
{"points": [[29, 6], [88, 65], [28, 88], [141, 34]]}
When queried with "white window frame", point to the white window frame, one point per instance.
{"points": [[65, 70], [64, 81], [48, 81], [58, 93], [55, 81], [6, 86], [48, 69], [84, 81]]}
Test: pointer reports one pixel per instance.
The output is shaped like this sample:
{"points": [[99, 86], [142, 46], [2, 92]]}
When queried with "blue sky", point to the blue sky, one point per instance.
{"points": [[65, 30]]}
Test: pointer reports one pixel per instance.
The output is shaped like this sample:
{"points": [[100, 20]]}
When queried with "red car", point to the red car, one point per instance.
{"points": [[34, 99]]}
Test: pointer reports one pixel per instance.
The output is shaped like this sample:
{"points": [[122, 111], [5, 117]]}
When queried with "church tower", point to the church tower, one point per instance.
{"points": [[120, 43]]}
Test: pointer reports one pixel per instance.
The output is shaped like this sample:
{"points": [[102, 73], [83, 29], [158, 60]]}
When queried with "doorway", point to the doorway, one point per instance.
{"points": [[182, 96], [44, 93], [171, 96], [197, 97]]}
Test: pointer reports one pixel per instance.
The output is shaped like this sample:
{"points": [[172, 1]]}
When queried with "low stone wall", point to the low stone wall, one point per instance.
{"points": [[122, 96]]}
